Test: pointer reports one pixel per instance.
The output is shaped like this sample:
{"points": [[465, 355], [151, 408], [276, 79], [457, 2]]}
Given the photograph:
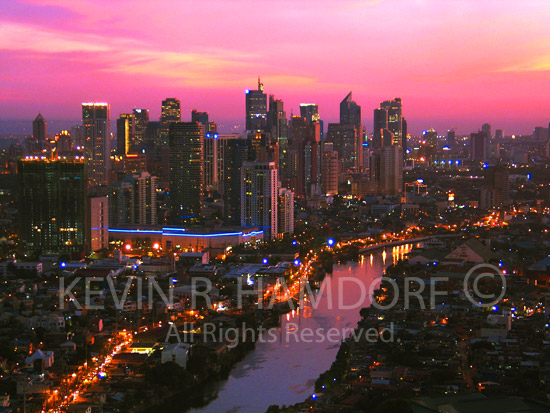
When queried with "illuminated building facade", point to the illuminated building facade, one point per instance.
{"points": [[186, 143], [52, 205], [96, 120], [256, 109]]}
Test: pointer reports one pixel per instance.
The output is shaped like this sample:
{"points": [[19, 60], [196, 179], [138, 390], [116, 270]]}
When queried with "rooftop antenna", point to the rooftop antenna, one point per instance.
{"points": [[260, 85]]}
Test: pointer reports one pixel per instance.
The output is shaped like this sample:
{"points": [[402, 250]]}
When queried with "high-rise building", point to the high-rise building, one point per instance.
{"points": [[170, 111], [391, 170], [395, 119], [430, 145], [96, 120], [380, 124], [259, 196], [350, 112], [39, 128], [133, 201], [285, 213], [235, 153], [329, 168], [496, 187], [52, 206], [125, 133], [277, 126], [499, 134], [478, 143], [211, 158], [141, 117], [451, 138], [305, 157], [186, 172], [310, 111], [201, 117], [345, 140], [256, 109], [78, 137], [486, 129], [98, 223]]}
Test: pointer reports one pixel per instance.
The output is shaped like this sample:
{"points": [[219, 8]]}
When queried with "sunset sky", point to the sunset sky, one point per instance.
{"points": [[455, 63]]}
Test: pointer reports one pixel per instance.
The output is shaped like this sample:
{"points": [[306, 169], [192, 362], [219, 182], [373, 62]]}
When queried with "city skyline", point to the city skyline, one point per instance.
{"points": [[456, 71]]}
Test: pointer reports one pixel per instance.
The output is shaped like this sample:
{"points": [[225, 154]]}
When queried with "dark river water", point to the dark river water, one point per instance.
{"points": [[285, 364]]}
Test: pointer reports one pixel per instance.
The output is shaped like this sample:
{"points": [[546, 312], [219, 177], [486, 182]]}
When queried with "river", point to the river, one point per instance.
{"points": [[284, 366]]}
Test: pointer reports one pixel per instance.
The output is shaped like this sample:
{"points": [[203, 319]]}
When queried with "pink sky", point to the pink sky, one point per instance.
{"points": [[455, 63]]}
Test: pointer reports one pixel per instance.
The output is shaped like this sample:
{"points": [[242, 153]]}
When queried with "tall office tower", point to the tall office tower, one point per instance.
{"points": [[52, 205], [540, 134], [451, 138], [344, 138], [170, 111], [78, 136], [96, 119], [285, 213], [141, 117], [125, 133], [259, 196], [478, 143], [430, 145], [350, 112], [395, 119], [329, 170], [223, 142], [39, 128], [211, 158], [98, 223], [496, 187], [63, 143], [391, 170], [380, 124], [201, 117], [133, 201], [186, 172], [277, 126], [305, 157], [499, 134], [404, 136], [256, 109], [235, 153], [310, 111], [486, 129]]}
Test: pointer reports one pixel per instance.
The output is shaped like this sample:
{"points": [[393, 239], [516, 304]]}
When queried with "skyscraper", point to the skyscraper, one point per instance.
{"points": [[329, 175], [430, 145], [391, 170], [478, 144], [285, 212], [39, 128], [496, 187], [201, 117], [451, 138], [259, 196], [235, 153], [96, 120], [486, 129], [170, 111], [125, 133], [277, 126], [141, 121], [345, 141], [310, 111], [133, 201], [256, 109], [305, 157], [350, 112], [395, 119], [52, 205], [97, 224], [380, 124], [186, 172]]}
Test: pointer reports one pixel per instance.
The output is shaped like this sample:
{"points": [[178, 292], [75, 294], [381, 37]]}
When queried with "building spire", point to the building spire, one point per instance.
{"points": [[260, 85]]}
